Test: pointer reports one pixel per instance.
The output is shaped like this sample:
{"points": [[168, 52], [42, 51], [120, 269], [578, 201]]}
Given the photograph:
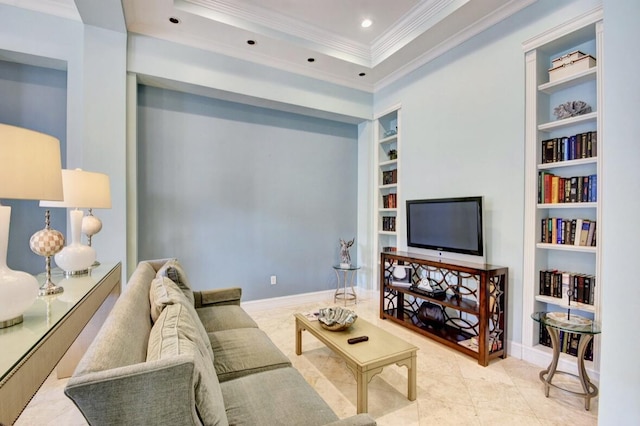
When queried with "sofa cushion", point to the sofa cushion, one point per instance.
{"points": [[244, 351], [176, 273], [164, 292], [175, 333], [225, 317], [290, 401]]}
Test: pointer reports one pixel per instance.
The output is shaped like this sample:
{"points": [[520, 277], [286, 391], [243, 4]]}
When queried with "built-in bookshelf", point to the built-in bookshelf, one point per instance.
{"points": [[387, 140], [562, 186]]}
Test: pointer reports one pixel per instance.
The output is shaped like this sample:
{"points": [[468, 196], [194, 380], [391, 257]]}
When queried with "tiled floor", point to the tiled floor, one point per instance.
{"points": [[452, 388]]}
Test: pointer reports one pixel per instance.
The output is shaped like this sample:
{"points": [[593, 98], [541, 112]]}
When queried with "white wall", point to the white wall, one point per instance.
{"points": [[620, 370]]}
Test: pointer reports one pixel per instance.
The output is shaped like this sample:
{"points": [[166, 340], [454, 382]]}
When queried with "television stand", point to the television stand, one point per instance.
{"points": [[474, 309]]}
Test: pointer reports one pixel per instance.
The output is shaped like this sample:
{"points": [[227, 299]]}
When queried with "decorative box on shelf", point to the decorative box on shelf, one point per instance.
{"points": [[570, 64]]}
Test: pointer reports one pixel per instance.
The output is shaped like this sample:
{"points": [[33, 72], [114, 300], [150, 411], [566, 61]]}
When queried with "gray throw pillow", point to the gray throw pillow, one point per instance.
{"points": [[176, 273]]}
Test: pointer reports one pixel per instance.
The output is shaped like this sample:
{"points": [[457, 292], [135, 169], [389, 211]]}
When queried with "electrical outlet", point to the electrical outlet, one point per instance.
{"points": [[273, 280]]}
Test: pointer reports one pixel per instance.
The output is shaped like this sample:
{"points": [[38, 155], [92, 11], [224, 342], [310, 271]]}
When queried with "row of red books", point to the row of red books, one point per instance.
{"points": [[575, 189], [390, 201]]}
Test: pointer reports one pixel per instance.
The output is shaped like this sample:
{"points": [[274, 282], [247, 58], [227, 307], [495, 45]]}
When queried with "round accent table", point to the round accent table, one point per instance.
{"points": [[348, 277], [585, 329]]}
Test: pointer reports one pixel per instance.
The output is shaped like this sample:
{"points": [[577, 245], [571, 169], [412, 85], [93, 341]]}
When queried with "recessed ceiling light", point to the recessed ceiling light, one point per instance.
{"points": [[366, 23], [311, 59], [251, 42], [362, 74], [174, 20]]}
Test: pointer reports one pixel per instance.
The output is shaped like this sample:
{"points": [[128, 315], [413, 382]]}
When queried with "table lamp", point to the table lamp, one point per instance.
{"points": [[30, 169], [91, 224], [47, 242], [79, 193]]}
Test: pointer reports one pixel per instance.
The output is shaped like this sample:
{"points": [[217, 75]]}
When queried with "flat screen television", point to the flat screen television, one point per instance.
{"points": [[446, 224]]}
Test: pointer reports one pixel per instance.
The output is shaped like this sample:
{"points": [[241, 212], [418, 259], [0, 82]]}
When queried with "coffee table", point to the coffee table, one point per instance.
{"points": [[365, 359]]}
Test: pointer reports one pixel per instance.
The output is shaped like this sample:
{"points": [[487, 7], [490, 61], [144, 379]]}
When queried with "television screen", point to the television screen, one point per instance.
{"points": [[446, 224]]}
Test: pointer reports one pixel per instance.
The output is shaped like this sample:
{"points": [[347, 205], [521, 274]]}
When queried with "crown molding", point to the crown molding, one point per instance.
{"points": [[413, 24], [273, 24], [460, 37], [256, 57], [62, 8]]}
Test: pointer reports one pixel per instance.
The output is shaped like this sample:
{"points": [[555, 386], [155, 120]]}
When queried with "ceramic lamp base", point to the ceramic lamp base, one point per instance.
{"points": [[75, 259], [11, 322], [18, 290]]}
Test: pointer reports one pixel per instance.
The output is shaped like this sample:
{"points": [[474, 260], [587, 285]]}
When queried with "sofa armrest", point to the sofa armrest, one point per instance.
{"points": [[363, 419], [218, 296], [138, 394]]}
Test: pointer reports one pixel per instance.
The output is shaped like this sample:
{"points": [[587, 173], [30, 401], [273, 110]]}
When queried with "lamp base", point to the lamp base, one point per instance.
{"points": [[11, 322], [81, 273], [49, 288]]}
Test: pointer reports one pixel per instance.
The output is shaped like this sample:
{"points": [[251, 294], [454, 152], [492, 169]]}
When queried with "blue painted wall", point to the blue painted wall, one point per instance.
{"points": [[240, 193]]}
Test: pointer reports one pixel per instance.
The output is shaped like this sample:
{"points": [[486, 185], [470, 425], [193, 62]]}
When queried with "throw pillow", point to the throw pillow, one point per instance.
{"points": [[163, 293], [176, 273], [175, 333]]}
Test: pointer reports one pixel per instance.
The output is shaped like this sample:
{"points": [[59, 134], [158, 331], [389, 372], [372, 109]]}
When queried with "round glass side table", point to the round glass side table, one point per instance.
{"points": [[348, 277], [555, 322]]}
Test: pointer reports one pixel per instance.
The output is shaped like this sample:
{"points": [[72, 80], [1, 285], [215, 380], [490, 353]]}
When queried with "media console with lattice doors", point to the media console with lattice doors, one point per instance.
{"points": [[471, 315]]}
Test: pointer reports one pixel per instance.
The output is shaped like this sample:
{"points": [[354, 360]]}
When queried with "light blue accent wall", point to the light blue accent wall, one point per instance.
{"points": [[240, 193], [34, 98], [95, 63], [463, 132], [620, 370]]}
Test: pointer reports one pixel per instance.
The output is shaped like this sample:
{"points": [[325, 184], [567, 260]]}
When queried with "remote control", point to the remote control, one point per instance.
{"points": [[358, 339]]}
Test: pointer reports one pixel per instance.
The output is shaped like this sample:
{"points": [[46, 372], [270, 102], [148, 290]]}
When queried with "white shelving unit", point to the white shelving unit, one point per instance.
{"points": [[585, 34], [387, 153]]}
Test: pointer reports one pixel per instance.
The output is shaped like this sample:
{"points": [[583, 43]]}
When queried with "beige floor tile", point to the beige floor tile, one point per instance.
{"points": [[452, 388]]}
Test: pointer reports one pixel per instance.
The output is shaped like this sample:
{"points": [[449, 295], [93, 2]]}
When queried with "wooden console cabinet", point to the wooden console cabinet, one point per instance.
{"points": [[474, 309]]}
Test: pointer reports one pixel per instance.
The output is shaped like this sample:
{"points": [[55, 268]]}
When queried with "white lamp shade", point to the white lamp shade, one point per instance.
{"points": [[30, 165], [29, 170], [83, 190]]}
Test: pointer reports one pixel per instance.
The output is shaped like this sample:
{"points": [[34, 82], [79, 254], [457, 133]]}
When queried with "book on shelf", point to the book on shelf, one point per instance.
{"points": [[561, 284], [389, 249], [389, 201], [576, 232], [495, 344], [554, 189], [568, 342], [566, 148], [389, 177], [389, 223]]}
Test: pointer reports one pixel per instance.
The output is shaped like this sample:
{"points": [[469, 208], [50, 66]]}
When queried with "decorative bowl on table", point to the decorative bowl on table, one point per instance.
{"points": [[336, 319], [569, 320]]}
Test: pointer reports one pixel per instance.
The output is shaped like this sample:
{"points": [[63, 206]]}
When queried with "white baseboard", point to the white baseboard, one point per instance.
{"points": [[542, 358], [299, 299]]}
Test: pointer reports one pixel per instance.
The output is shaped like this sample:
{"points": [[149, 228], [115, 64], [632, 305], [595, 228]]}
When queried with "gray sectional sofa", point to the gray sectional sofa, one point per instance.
{"points": [[167, 355]]}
